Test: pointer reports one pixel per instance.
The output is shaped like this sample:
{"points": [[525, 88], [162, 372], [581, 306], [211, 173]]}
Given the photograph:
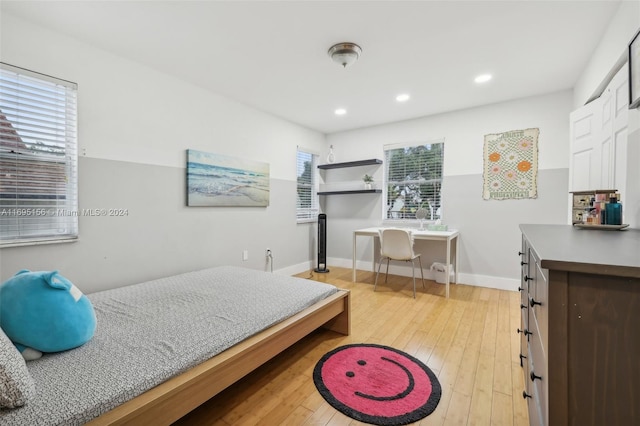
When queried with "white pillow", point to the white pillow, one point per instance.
{"points": [[16, 384]]}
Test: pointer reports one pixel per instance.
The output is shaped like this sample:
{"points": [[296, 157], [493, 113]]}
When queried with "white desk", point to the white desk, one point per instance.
{"points": [[447, 236]]}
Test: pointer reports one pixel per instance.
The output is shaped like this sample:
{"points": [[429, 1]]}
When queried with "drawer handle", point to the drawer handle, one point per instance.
{"points": [[534, 377], [520, 253], [523, 263], [527, 278], [533, 302], [525, 331], [523, 306], [521, 358], [525, 395]]}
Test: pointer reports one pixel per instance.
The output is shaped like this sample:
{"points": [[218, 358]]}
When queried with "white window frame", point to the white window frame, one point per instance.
{"points": [[434, 208], [38, 158], [307, 214]]}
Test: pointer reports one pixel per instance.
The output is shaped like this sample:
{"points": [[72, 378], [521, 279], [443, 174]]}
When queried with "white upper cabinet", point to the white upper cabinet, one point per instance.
{"points": [[584, 170], [598, 133]]}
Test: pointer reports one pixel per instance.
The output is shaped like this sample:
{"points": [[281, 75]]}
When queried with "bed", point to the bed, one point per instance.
{"points": [[164, 347]]}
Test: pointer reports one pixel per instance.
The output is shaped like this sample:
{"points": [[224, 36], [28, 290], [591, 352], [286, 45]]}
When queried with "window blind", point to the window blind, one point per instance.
{"points": [[413, 179], [38, 157], [307, 193]]}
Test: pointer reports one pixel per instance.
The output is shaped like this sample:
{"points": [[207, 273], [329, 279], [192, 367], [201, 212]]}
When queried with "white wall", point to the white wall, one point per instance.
{"points": [[612, 47], [464, 130], [130, 112], [490, 237], [136, 122]]}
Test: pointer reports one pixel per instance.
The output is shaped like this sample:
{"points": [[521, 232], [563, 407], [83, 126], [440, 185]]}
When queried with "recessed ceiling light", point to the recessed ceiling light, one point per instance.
{"points": [[340, 111], [403, 97], [483, 78]]}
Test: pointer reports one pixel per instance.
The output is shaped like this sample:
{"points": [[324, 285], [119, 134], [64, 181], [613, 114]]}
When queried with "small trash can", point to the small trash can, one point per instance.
{"points": [[440, 271]]}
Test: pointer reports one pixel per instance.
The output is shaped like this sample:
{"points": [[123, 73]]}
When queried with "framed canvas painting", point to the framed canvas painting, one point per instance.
{"points": [[224, 181]]}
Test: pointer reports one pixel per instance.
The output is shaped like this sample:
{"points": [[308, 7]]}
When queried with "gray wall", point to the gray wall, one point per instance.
{"points": [[489, 232], [161, 236]]}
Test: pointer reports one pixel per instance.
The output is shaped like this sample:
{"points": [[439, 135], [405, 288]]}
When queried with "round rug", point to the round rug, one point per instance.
{"points": [[377, 384]]}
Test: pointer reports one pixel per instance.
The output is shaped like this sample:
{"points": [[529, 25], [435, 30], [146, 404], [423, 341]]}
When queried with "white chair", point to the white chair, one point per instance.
{"points": [[397, 244]]}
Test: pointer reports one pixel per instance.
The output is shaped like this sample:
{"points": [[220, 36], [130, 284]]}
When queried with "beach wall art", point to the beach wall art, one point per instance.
{"points": [[224, 181]]}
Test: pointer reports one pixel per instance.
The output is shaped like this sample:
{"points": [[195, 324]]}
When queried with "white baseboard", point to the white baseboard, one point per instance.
{"points": [[295, 269], [499, 283]]}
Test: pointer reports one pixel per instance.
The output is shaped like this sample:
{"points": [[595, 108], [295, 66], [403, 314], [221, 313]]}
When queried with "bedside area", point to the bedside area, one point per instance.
{"points": [[580, 325]]}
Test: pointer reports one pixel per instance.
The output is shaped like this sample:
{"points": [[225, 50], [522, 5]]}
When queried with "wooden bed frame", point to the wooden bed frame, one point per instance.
{"points": [[169, 401]]}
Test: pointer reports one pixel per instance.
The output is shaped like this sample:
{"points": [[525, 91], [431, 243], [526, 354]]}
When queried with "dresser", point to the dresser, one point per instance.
{"points": [[580, 325]]}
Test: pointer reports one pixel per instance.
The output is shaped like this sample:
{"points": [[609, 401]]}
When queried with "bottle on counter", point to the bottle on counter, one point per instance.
{"points": [[603, 213], [613, 211]]}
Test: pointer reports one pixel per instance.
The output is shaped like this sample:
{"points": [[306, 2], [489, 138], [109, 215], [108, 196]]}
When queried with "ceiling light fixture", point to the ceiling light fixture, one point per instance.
{"points": [[403, 97], [483, 78], [345, 53], [340, 111]]}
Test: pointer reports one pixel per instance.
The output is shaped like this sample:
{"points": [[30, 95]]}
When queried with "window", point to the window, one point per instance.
{"points": [[413, 177], [307, 192], [38, 158]]}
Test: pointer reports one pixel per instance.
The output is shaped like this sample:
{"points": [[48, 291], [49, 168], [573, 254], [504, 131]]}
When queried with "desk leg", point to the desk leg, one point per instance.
{"points": [[446, 280], [457, 251], [353, 260], [376, 248]]}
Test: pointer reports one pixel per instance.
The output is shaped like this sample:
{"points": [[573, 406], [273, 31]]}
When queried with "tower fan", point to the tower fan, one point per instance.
{"points": [[322, 244]]}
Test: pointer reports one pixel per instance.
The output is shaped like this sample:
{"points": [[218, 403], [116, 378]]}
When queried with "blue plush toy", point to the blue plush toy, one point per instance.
{"points": [[45, 312]]}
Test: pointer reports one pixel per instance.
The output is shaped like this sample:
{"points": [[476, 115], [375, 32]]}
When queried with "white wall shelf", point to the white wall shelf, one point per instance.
{"points": [[348, 187], [350, 164], [355, 191]]}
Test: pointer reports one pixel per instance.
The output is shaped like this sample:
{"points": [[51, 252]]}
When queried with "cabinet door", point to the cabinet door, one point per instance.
{"points": [[620, 116], [585, 151], [598, 138]]}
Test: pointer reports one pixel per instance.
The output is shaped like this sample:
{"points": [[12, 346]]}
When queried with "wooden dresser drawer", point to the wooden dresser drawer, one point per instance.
{"points": [[538, 303], [538, 372]]}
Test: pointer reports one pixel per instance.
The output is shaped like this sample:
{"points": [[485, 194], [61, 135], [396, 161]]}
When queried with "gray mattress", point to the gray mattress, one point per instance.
{"points": [[150, 332]]}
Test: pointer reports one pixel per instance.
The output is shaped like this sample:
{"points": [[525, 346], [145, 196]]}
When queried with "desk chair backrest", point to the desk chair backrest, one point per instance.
{"points": [[396, 243]]}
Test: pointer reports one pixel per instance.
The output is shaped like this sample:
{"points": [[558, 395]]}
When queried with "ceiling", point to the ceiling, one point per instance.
{"points": [[272, 55]]}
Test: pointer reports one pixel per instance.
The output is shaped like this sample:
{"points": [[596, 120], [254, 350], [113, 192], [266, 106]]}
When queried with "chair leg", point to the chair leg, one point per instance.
{"points": [[421, 273], [387, 274], [375, 284]]}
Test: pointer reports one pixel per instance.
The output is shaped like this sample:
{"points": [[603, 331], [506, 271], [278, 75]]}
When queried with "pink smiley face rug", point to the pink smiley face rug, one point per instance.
{"points": [[377, 384]]}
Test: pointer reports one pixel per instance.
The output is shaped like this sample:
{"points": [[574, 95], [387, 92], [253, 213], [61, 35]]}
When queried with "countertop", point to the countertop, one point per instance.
{"points": [[592, 251]]}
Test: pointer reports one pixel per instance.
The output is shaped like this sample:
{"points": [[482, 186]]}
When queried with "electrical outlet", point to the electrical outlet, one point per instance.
{"points": [[245, 255]]}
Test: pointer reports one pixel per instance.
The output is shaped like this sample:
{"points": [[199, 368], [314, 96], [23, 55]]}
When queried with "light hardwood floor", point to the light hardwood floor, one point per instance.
{"points": [[469, 341]]}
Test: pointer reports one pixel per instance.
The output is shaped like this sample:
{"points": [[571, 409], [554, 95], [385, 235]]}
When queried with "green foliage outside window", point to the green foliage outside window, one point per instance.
{"points": [[414, 180]]}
